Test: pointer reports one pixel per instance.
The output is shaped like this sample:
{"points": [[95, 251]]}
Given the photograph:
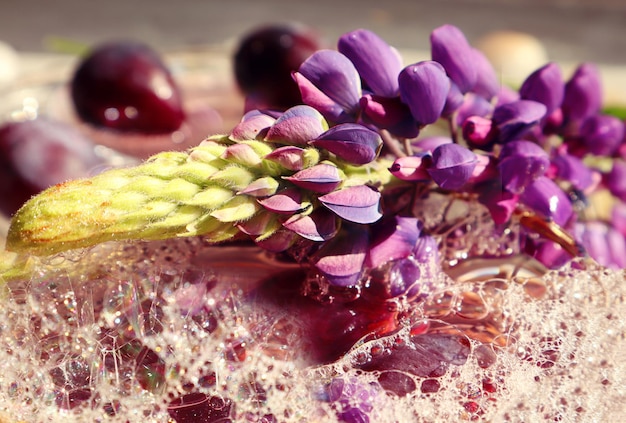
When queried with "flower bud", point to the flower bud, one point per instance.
{"points": [[412, 168], [515, 119], [450, 48], [351, 142], [452, 166], [602, 134], [393, 238], [322, 178], [319, 225], [487, 82], [378, 63], [521, 162], [583, 93], [545, 198], [390, 114], [477, 131], [287, 201], [424, 87], [297, 126], [330, 83], [545, 86], [358, 204], [341, 259], [253, 125]]}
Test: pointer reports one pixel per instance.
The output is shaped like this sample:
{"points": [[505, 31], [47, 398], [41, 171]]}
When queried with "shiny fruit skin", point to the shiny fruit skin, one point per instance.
{"points": [[265, 59], [127, 87]]}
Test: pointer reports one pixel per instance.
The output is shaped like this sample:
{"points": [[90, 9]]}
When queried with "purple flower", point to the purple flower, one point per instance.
{"points": [[330, 83], [377, 62], [389, 113], [487, 82], [287, 201], [602, 134], [290, 157], [452, 166], [351, 142], [424, 87], [583, 93], [297, 126], [473, 105], [500, 203], [477, 131], [515, 119], [341, 259], [454, 100], [546, 86], [521, 162], [545, 198], [572, 169], [253, 125], [358, 204], [412, 168], [615, 179], [393, 238], [428, 144], [322, 178], [603, 243], [450, 48], [320, 225]]}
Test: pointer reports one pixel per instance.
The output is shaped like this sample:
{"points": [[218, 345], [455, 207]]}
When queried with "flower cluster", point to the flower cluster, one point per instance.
{"points": [[315, 172], [542, 149]]}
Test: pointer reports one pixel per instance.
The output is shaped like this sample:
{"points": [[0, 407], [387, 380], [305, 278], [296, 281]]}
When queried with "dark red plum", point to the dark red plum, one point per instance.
{"points": [[265, 59], [126, 86]]}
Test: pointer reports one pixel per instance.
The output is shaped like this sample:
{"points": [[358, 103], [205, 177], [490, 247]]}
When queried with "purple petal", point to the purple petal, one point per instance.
{"points": [[390, 114], [572, 169], [473, 105], [287, 201], [454, 100], [290, 157], [487, 81], [314, 97], [297, 126], [615, 179], [507, 95], [320, 225], [358, 204], [515, 119], [242, 154], [602, 134], [453, 165], [279, 241], [393, 238], [583, 93], [500, 203], [412, 168], [341, 259], [334, 75], [322, 178], [477, 131], [545, 198], [428, 144], [545, 86], [351, 142], [253, 125], [261, 187], [450, 48], [377, 62], [424, 87], [521, 162]]}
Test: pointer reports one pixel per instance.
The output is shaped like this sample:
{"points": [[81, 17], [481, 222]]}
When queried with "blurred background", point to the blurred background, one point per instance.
{"points": [[571, 30]]}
